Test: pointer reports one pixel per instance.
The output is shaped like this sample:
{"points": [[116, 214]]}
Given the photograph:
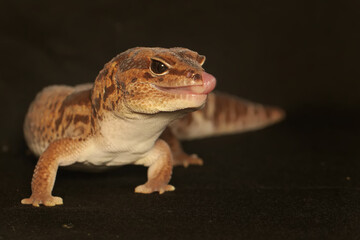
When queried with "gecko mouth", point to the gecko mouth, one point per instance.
{"points": [[209, 83]]}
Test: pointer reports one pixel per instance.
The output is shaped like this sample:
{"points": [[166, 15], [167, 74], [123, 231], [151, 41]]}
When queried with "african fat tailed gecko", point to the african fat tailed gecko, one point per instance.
{"points": [[140, 104]]}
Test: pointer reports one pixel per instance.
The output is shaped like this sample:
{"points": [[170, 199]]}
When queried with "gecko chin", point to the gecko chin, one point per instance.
{"points": [[184, 90]]}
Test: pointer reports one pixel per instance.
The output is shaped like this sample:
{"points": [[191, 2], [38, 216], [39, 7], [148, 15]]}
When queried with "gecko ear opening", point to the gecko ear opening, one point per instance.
{"points": [[201, 59]]}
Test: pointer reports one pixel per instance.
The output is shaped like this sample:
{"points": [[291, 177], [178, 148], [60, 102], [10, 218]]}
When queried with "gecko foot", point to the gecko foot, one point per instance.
{"points": [[48, 201], [185, 160], [150, 188]]}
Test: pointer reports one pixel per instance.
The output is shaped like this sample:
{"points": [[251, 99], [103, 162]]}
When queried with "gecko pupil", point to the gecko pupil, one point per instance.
{"points": [[158, 67]]}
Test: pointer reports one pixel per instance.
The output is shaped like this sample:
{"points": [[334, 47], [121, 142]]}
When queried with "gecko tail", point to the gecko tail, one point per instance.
{"points": [[225, 114]]}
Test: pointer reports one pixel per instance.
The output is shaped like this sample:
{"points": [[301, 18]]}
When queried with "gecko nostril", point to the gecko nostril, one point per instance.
{"points": [[193, 75], [197, 77]]}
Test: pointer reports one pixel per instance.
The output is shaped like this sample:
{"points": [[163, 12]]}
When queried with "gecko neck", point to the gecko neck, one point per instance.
{"points": [[134, 132]]}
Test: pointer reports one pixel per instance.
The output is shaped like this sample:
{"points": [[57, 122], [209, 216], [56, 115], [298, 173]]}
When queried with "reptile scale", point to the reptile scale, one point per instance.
{"points": [[141, 104]]}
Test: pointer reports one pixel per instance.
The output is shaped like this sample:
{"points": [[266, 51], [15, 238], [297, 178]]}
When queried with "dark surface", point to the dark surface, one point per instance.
{"points": [[296, 180]]}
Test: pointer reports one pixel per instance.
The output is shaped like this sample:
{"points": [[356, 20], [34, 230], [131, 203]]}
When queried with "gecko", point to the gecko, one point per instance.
{"points": [[141, 105]]}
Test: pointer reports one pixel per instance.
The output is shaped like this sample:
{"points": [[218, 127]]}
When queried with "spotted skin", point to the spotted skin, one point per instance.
{"points": [[123, 118]]}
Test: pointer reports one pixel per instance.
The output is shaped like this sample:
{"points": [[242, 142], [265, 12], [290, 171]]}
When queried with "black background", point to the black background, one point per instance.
{"points": [[296, 180]]}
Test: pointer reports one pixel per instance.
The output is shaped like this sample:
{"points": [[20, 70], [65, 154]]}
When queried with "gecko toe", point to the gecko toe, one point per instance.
{"points": [[26, 201], [187, 160], [146, 188], [48, 201]]}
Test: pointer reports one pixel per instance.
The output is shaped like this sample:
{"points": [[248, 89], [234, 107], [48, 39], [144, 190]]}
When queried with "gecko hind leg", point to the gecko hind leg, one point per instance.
{"points": [[180, 158]]}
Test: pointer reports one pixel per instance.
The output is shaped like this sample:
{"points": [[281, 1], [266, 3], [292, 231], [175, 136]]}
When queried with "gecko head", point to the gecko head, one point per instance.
{"points": [[163, 80]]}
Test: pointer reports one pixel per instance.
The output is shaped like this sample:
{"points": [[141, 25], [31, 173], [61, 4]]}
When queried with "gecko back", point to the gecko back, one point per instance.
{"points": [[57, 112]]}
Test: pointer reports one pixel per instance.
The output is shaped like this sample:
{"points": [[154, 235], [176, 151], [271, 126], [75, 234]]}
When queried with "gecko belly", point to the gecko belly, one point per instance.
{"points": [[98, 157], [103, 163]]}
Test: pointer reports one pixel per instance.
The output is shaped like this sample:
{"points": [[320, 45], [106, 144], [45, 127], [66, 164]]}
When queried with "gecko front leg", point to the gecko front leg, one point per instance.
{"points": [[43, 180], [160, 169]]}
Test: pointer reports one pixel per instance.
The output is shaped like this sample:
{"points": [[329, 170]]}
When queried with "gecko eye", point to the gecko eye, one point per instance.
{"points": [[158, 67]]}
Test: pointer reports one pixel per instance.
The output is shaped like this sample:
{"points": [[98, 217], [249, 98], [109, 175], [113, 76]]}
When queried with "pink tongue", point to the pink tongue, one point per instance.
{"points": [[209, 82]]}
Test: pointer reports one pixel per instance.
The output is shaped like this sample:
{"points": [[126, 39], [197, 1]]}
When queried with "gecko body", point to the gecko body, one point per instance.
{"points": [[140, 104]]}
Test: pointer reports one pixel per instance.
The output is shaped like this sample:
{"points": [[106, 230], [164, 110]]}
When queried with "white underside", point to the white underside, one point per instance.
{"points": [[121, 142]]}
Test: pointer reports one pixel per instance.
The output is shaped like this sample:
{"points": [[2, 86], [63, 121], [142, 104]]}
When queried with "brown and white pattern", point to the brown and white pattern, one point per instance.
{"points": [[225, 114], [121, 118]]}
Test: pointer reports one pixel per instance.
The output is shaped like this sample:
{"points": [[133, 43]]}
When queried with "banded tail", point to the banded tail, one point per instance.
{"points": [[225, 114]]}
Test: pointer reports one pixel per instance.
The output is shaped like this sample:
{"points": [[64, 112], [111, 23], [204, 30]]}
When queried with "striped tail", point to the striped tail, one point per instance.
{"points": [[225, 114]]}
